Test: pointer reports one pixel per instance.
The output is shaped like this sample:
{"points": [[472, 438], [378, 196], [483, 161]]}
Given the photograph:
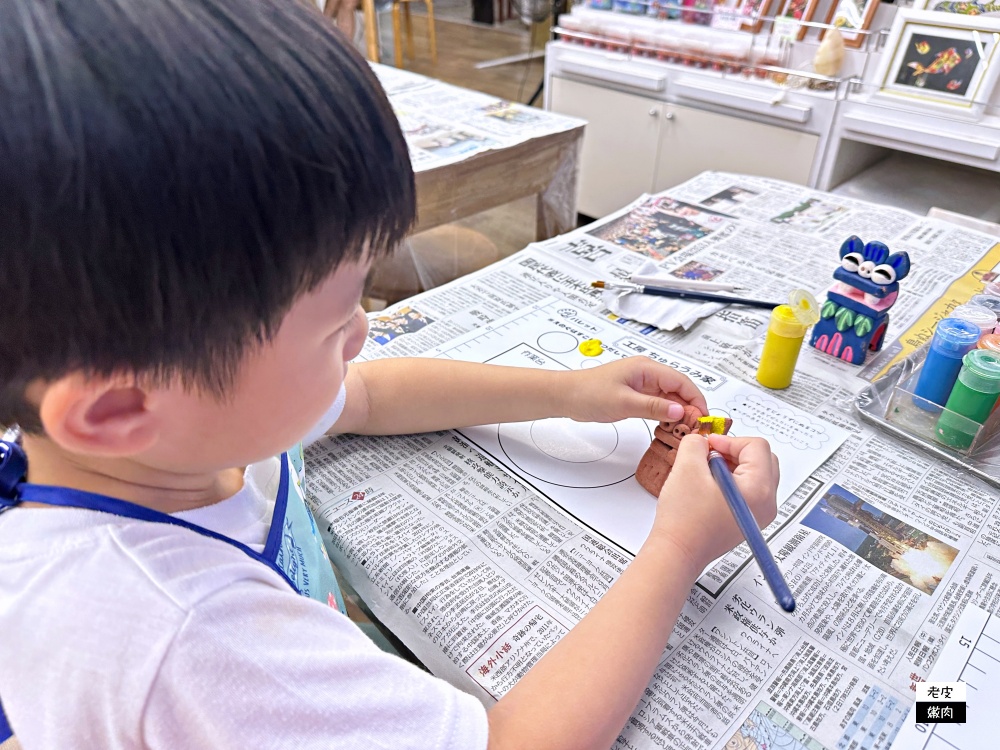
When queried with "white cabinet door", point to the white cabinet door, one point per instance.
{"points": [[693, 141], [619, 144]]}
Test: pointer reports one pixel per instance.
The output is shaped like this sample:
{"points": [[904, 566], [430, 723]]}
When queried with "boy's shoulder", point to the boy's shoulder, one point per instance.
{"points": [[164, 630], [120, 558]]}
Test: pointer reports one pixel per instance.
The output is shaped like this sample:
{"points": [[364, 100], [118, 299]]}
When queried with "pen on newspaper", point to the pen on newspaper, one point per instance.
{"points": [[693, 284], [751, 532], [683, 294]]}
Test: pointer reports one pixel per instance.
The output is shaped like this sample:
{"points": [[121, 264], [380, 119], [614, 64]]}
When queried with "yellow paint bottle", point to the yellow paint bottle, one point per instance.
{"points": [[785, 333]]}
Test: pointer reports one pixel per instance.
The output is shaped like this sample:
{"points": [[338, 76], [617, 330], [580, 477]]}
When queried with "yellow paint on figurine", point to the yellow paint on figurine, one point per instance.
{"points": [[591, 348], [711, 425]]}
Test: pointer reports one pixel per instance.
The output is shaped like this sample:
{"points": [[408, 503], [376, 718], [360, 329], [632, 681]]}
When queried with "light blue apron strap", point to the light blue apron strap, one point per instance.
{"points": [[297, 511]]}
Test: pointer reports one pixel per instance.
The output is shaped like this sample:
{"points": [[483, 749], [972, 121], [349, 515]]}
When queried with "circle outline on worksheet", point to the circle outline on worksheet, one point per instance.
{"points": [[553, 336], [541, 423], [633, 439]]}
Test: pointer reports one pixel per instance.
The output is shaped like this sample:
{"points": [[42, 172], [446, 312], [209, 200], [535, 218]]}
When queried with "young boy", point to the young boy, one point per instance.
{"points": [[194, 192]]}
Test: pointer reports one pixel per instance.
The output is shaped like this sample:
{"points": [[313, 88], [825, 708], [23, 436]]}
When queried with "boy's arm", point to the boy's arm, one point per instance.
{"points": [[581, 693], [409, 395]]}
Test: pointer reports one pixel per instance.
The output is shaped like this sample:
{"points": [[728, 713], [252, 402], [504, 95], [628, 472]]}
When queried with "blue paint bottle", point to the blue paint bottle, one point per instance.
{"points": [[953, 338]]}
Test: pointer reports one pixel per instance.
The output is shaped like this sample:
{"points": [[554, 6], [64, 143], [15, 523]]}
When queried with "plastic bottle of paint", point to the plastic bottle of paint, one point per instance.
{"points": [[953, 339], [987, 300], [989, 341], [992, 287], [983, 317], [785, 332], [975, 393]]}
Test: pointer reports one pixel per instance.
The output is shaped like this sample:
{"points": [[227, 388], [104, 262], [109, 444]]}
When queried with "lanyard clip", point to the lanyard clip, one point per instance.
{"points": [[13, 471]]}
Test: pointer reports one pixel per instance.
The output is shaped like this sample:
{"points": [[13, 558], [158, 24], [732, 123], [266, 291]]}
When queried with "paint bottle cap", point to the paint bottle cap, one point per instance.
{"points": [[991, 287], [981, 371], [992, 301], [990, 341], [983, 317], [784, 322], [953, 337], [805, 306]]}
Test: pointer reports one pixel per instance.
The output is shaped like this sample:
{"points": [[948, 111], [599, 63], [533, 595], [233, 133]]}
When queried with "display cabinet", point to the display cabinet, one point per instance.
{"points": [[666, 100]]}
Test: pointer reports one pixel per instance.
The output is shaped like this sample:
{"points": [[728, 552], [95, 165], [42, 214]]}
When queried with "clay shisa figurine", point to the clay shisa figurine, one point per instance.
{"points": [[658, 460]]}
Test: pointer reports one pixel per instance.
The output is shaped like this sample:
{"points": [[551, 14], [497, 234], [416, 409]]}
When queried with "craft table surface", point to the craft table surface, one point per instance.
{"points": [[883, 545]]}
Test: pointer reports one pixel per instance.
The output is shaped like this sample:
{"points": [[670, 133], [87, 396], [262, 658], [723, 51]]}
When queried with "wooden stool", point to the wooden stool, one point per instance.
{"points": [[397, 36]]}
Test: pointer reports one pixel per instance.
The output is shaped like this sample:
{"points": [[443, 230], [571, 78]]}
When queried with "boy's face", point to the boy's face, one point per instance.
{"points": [[283, 388]]}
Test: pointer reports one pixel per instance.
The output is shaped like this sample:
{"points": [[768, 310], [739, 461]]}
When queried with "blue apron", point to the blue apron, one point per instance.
{"points": [[294, 548]]}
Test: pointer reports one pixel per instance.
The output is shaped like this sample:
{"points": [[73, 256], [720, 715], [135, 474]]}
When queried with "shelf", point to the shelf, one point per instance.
{"points": [[761, 102], [921, 183]]}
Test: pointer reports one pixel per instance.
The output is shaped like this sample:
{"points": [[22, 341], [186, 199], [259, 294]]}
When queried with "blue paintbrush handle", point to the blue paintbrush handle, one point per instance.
{"points": [[708, 297], [751, 532]]}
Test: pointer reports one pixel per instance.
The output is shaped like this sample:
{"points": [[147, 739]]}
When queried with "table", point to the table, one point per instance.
{"points": [[472, 152], [883, 545], [545, 166]]}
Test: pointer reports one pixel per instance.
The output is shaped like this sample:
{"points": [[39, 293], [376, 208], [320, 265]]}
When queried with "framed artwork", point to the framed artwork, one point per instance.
{"points": [[791, 11], [740, 15], [945, 62], [753, 13], [990, 8], [850, 17], [700, 13]]}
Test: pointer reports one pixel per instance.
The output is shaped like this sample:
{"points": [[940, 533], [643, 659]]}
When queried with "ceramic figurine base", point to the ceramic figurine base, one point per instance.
{"points": [[855, 315], [658, 460]]}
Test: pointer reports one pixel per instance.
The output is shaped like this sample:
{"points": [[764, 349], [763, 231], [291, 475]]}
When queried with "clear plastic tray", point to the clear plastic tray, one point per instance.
{"points": [[890, 404]]}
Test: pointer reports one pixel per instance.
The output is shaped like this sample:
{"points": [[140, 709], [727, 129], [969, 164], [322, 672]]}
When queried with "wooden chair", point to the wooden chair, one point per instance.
{"points": [[503, 11], [397, 39]]}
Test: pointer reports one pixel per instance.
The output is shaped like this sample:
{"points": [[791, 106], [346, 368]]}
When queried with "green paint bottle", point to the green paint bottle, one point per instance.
{"points": [[975, 393]]}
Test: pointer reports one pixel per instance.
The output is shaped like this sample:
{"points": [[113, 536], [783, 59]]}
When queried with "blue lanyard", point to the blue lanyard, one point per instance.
{"points": [[5, 731]]}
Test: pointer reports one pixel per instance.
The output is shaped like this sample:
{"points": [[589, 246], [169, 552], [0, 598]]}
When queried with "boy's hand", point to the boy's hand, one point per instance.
{"points": [[692, 513], [632, 387]]}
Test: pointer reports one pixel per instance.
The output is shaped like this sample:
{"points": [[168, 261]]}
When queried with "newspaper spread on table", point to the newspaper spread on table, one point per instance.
{"points": [[444, 124], [883, 547]]}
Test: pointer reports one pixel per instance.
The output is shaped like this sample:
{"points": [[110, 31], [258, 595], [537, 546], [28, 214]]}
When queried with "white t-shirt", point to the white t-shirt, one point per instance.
{"points": [[116, 633]]}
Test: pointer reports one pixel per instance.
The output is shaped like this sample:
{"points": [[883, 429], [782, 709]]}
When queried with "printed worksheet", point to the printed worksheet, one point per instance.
{"points": [[588, 469]]}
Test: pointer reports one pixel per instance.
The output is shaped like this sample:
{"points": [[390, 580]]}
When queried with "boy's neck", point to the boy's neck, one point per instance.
{"points": [[125, 479]]}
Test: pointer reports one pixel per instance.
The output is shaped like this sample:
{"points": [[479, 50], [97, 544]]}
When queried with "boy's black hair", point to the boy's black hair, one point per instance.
{"points": [[173, 175]]}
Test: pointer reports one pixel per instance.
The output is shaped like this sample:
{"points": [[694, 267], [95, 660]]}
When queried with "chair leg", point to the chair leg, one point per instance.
{"points": [[408, 23], [397, 36], [430, 31], [371, 29]]}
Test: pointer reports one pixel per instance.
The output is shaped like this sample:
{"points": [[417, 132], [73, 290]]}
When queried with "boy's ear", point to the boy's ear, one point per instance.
{"points": [[97, 416]]}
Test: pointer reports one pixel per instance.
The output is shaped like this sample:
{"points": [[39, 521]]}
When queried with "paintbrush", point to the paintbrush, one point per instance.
{"points": [[683, 294]]}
